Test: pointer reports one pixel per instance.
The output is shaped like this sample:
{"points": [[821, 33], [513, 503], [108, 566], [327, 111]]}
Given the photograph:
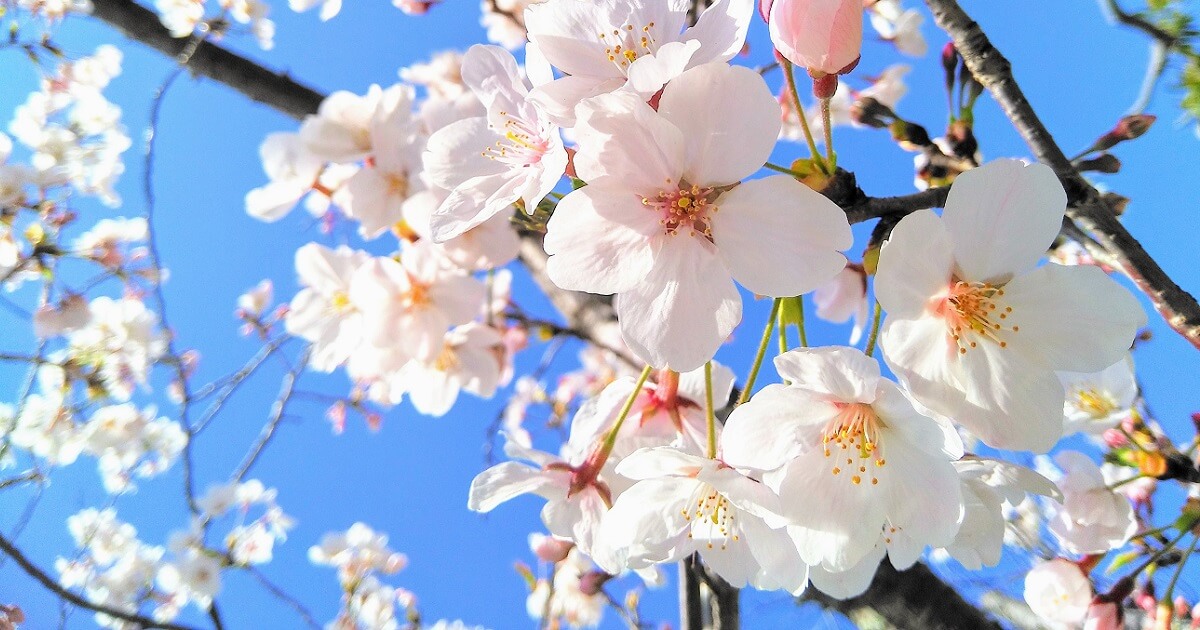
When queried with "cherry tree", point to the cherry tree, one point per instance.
{"points": [[629, 159]]}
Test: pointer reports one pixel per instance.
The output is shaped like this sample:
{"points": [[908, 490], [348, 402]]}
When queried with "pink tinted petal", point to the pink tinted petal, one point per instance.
{"points": [[567, 32], [1072, 318], [663, 461], [779, 237], [650, 73], [598, 240], [684, 309], [455, 153], [1002, 218], [503, 482], [915, 264], [489, 69], [730, 121]]}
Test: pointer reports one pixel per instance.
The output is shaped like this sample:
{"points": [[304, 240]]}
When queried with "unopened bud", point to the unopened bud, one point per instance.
{"points": [[1182, 607], [870, 112], [1103, 163], [549, 548], [949, 63], [592, 582], [910, 136]]}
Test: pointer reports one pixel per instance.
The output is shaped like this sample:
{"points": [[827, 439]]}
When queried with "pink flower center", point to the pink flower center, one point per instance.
{"points": [[854, 434], [973, 310], [624, 45], [688, 207]]}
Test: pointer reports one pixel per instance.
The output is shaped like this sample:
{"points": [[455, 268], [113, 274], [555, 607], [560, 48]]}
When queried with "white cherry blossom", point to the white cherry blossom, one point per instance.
{"points": [[1092, 518], [1058, 592], [322, 311], [860, 465], [666, 223], [988, 486], [974, 329], [1100, 400], [514, 153], [639, 44]]}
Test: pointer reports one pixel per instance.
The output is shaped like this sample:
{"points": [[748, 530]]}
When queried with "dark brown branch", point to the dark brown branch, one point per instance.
{"points": [[1087, 207], [915, 599], [276, 89], [51, 584]]}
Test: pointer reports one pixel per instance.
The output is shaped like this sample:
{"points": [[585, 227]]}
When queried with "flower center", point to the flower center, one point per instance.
{"points": [[1096, 403], [972, 309], [625, 44], [711, 516], [855, 430], [520, 145], [687, 207], [341, 302], [447, 360]]}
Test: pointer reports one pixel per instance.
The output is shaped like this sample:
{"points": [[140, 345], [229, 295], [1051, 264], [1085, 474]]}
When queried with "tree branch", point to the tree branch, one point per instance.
{"points": [[50, 583], [915, 599], [276, 89], [1087, 207]]}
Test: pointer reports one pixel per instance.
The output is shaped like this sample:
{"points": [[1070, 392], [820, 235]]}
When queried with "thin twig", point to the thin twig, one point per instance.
{"points": [[277, 411]]}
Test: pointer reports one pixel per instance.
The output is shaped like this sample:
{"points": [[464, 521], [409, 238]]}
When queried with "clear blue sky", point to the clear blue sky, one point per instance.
{"points": [[410, 479]]}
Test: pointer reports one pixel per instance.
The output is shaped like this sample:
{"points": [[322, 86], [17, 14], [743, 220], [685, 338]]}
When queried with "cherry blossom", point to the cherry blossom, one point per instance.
{"points": [[974, 330], [685, 503], [1058, 592], [512, 154], [1101, 400], [665, 224], [899, 26], [292, 170], [843, 297], [988, 485], [1092, 518], [468, 362], [322, 312], [856, 463], [824, 36], [640, 45]]}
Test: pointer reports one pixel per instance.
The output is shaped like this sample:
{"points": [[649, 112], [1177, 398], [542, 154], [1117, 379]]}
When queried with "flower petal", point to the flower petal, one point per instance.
{"points": [[779, 237], [599, 240], [1002, 218], [915, 264]]}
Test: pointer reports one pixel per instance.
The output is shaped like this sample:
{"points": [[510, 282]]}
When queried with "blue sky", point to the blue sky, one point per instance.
{"points": [[410, 479]]}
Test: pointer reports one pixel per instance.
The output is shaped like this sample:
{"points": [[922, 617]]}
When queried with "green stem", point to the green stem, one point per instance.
{"points": [[783, 340], [800, 326], [874, 336], [808, 135], [1168, 595], [1162, 551], [828, 129], [781, 169], [762, 351], [611, 439], [712, 412]]}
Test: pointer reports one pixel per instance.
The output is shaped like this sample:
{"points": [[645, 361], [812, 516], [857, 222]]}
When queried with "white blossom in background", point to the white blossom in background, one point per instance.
{"points": [[468, 361], [504, 21], [1058, 592], [131, 442], [109, 242], [409, 305], [293, 171], [989, 487], [967, 308], [46, 425], [251, 540], [357, 553], [1092, 518], [329, 8], [493, 243], [348, 127], [844, 297], [1101, 400], [887, 88], [514, 153], [123, 340], [441, 76], [899, 26], [667, 224], [322, 312], [74, 132], [568, 603], [640, 45]]}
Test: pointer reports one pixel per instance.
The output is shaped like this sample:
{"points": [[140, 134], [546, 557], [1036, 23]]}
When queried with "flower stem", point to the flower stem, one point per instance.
{"points": [[871, 339], [712, 412], [828, 129], [1167, 595], [1162, 551], [789, 73], [783, 340], [611, 438], [782, 169], [800, 326], [762, 351]]}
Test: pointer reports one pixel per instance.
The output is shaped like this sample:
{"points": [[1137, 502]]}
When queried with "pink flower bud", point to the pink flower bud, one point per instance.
{"points": [[824, 36], [593, 581], [549, 548], [1103, 616], [1182, 607]]}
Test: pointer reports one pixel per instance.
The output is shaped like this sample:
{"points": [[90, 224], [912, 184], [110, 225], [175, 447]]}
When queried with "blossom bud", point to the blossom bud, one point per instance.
{"points": [[1103, 163], [1182, 607], [592, 582], [824, 36], [1114, 438], [949, 63], [1103, 616], [549, 548], [869, 112]]}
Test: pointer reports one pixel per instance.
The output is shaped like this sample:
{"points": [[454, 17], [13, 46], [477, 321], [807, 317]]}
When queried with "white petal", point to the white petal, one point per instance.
{"points": [[621, 137], [849, 583], [722, 30], [599, 240], [836, 372], [773, 427], [779, 237], [650, 73], [1072, 318], [503, 482], [1002, 217], [684, 309], [730, 118]]}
